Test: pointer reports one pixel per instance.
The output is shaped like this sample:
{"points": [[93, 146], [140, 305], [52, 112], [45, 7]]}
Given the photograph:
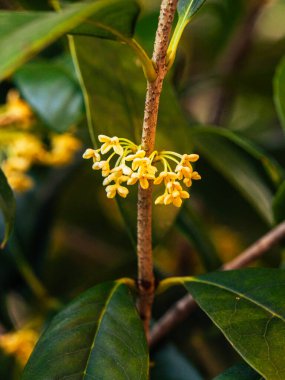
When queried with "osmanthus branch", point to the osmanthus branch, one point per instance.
{"points": [[146, 282], [182, 309]]}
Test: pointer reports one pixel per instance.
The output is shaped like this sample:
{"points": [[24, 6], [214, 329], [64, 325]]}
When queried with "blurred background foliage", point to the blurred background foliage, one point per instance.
{"points": [[221, 100]]}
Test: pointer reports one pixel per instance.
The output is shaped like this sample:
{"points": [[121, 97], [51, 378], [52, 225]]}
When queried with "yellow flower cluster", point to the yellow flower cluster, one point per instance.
{"points": [[15, 111], [27, 150], [131, 165], [20, 149]]}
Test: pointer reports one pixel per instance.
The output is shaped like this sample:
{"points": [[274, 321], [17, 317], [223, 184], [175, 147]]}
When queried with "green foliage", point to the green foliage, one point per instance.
{"points": [[186, 10], [24, 34], [7, 206], [48, 95], [279, 204], [99, 335], [252, 172], [116, 22], [279, 91], [193, 228], [247, 305], [240, 372]]}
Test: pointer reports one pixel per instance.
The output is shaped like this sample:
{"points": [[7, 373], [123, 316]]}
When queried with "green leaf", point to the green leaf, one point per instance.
{"points": [[51, 93], [186, 10], [252, 172], [23, 34], [279, 91], [248, 306], [279, 204], [170, 364], [118, 22], [7, 206], [114, 101], [98, 336], [239, 372], [189, 223]]}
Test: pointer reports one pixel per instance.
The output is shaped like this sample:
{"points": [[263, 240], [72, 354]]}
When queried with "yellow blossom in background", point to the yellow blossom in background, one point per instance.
{"points": [[62, 150], [142, 169], [20, 344], [21, 149], [16, 111]]}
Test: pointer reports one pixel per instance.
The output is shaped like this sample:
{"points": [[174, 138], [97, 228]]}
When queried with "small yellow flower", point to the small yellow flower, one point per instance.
{"points": [[91, 153], [109, 143], [143, 178], [187, 158], [188, 180], [102, 165], [175, 194], [184, 171], [166, 177], [139, 154], [112, 190]]}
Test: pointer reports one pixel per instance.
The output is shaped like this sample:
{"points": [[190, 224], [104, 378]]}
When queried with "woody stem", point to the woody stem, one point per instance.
{"points": [[146, 281]]}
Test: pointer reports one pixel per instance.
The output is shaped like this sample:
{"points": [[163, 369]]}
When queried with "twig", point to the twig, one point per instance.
{"points": [[144, 220], [181, 310]]}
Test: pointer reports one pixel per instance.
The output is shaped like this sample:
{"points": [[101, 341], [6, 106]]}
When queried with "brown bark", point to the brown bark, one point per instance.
{"points": [[146, 281]]}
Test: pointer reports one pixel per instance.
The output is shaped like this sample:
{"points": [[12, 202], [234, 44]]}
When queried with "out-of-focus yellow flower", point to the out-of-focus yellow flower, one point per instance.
{"points": [[62, 150], [27, 150], [16, 111], [19, 344]]}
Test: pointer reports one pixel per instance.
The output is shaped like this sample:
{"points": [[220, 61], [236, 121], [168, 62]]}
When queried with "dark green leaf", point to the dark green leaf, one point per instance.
{"points": [[98, 336], [115, 103], [279, 92], [24, 34], [56, 96], [192, 227], [117, 23], [244, 165], [239, 372], [7, 206], [279, 204], [248, 306], [170, 364], [187, 8]]}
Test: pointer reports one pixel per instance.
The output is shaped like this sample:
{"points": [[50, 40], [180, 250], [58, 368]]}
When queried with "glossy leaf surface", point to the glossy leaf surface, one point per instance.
{"points": [[248, 306], [24, 34], [245, 166], [51, 93], [186, 10], [98, 336], [7, 207]]}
